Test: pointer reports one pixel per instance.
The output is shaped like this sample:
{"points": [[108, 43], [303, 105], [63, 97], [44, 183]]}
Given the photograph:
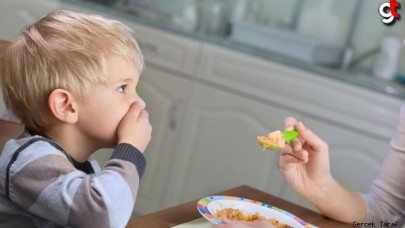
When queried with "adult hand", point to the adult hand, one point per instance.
{"points": [[304, 162]]}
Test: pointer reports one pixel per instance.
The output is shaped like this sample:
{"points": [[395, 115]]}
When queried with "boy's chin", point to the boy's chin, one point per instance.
{"points": [[110, 144]]}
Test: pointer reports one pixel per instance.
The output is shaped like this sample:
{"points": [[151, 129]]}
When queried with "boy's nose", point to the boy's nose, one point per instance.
{"points": [[141, 103]]}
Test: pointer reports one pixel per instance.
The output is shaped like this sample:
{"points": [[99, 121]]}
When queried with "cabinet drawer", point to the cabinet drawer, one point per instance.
{"points": [[165, 49], [159, 47]]}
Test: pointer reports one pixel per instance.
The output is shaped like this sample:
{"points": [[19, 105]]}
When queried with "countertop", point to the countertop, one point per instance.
{"points": [[390, 88]]}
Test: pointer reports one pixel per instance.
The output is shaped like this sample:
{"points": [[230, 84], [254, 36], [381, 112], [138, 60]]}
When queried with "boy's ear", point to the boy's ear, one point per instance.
{"points": [[62, 106]]}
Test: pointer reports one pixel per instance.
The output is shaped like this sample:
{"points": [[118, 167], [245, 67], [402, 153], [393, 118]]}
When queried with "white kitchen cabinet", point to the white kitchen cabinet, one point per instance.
{"points": [[351, 153], [166, 98], [218, 150], [315, 95], [357, 123]]}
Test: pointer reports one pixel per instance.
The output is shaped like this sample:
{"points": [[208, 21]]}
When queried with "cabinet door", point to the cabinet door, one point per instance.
{"points": [[164, 95], [218, 148], [355, 157]]}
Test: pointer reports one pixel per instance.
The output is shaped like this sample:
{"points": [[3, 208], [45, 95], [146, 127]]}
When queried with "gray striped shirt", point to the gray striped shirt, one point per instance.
{"points": [[41, 186]]}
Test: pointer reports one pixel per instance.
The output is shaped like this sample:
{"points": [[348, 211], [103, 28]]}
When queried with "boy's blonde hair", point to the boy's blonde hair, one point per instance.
{"points": [[62, 50]]}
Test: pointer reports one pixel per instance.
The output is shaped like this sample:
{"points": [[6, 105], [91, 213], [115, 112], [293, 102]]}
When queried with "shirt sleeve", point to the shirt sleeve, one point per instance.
{"points": [[386, 198]]}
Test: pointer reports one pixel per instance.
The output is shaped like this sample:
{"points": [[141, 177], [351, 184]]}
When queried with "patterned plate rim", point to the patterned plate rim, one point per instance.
{"points": [[202, 206]]}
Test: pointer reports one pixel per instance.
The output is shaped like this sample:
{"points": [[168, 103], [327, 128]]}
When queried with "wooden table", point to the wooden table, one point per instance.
{"points": [[8, 130], [188, 211]]}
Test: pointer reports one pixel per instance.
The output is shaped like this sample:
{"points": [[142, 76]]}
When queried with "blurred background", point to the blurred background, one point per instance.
{"points": [[346, 35], [343, 34]]}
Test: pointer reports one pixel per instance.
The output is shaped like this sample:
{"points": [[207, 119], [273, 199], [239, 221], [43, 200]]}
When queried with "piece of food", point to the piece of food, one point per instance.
{"points": [[274, 141], [236, 214]]}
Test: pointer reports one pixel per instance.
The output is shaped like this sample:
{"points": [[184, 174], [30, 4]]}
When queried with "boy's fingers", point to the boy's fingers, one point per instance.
{"points": [[143, 114], [135, 109]]}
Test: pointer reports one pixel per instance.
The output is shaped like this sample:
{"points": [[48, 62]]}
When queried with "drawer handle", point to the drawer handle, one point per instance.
{"points": [[150, 46], [175, 114]]}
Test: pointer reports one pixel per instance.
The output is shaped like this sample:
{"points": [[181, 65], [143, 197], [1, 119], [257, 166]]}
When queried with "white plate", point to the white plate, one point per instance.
{"points": [[210, 205]]}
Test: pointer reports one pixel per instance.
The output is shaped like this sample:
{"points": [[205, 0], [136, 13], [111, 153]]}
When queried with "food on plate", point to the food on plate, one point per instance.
{"points": [[236, 214], [273, 141]]}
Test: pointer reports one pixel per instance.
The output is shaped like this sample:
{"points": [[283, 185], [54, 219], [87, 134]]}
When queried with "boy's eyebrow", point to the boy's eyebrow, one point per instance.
{"points": [[123, 79]]}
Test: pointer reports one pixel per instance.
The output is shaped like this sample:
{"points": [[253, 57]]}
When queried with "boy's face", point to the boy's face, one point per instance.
{"points": [[101, 113]]}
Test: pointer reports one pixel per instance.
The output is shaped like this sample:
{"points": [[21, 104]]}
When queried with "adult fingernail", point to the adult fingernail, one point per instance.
{"points": [[296, 145]]}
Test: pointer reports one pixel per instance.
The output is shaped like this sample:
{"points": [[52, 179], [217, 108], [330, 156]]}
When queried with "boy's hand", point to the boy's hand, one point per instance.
{"points": [[304, 162], [135, 128]]}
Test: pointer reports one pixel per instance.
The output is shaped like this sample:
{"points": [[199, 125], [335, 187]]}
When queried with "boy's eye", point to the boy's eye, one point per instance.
{"points": [[122, 88]]}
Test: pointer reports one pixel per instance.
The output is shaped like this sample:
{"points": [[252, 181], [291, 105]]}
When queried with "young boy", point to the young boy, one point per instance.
{"points": [[71, 79]]}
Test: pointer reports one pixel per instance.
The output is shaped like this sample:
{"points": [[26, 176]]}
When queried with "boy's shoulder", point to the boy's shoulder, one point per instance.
{"points": [[27, 148]]}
